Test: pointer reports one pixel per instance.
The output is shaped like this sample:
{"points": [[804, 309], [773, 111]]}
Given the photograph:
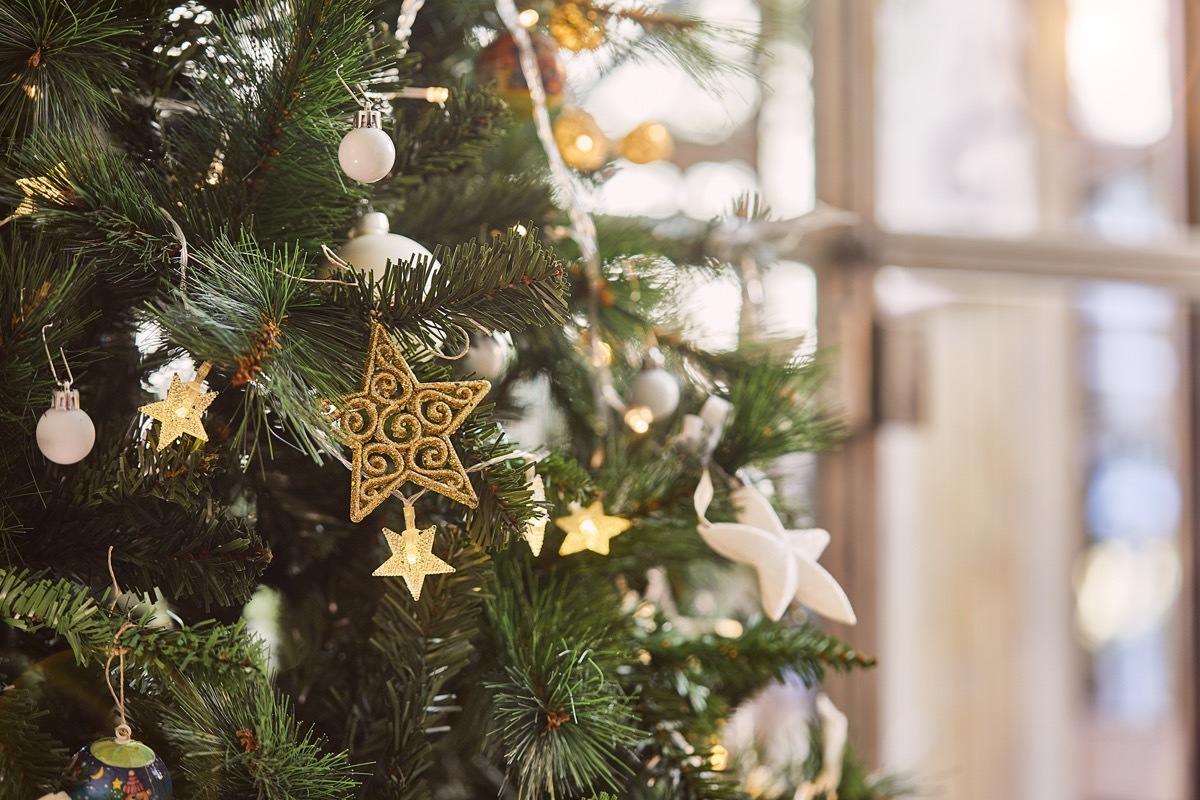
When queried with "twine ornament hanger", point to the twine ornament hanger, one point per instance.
{"points": [[124, 734]]}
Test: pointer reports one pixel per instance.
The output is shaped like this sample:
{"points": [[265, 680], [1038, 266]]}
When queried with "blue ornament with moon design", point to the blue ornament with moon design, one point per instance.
{"points": [[109, 769]]}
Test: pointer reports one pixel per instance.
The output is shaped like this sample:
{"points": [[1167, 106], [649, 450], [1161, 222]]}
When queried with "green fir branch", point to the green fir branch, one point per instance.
{"points": [[432, 140], [283, 349], [558, 711], [31, 602], [62, 64], [706, 51], [776, 409], [415, 649], [258, 148], [510, 283], [31, 760], [238, 740], [157, 508], [462, 205], [734, 669]]}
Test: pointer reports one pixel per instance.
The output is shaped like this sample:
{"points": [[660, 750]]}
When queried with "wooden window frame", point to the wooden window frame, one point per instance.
{"points": [[843, 36]]}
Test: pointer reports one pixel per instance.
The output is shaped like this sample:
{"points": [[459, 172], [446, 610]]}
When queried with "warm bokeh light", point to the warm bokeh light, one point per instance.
{"points": [[1119, 70]]}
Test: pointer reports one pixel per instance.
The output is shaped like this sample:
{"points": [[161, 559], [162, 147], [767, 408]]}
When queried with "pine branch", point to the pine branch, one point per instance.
{"points": [[259, 147], [61, 64], [281, 346], [90, 194], [31, 760], [676, 766], [734, 669], [510, 283], [239, 740], [775, 408], [431, 140], [31, 602], [457, 206], [415, 650], [505, 499], [560, 715], [706, 51]]}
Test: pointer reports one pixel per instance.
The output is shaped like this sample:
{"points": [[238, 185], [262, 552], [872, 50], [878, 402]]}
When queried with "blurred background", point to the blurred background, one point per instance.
{"points": [[1010, 305]]}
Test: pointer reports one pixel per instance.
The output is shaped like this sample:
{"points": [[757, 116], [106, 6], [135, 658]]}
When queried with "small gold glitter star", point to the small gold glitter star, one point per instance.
{"points": [[412, 555], [42, 186], [589, 529], [398, 430], [180, 412], [117, 783]]}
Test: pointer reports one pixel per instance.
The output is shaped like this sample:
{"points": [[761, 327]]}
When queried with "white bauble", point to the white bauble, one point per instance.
{"points": [[373, 247], [65, 433], [487, 356], [367, 153], [656, 390]]}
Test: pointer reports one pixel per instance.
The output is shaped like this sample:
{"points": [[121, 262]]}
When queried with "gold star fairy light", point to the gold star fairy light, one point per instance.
{"points": [[180, 412], [589, 529], [412, 554], [398, 430]]}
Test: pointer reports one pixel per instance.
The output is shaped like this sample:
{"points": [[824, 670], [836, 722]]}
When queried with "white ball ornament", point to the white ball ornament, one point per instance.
{"points": [[489, 357], [65, 433], [655, 390], [367, 153], [373, 247]]}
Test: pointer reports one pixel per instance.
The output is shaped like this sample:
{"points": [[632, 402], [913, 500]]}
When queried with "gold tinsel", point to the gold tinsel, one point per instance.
{"points": [[399, 430], [576, 26]]}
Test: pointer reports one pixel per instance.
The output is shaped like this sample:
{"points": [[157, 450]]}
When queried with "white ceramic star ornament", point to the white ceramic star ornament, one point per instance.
{"points": [[786, 560]]}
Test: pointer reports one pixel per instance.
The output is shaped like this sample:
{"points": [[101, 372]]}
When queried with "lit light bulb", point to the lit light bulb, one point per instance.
{"points": [[528, 18], [719, 757], [638, 419]]}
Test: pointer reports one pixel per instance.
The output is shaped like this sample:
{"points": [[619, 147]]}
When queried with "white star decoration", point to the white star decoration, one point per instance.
{"points": [[786, 560]]}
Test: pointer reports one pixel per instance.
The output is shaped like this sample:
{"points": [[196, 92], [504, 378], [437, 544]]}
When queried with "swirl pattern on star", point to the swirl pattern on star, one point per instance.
{"points": [[399, 430]]}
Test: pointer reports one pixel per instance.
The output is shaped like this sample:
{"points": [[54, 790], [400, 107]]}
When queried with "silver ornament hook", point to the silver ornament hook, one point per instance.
{"points": [[46, 344], [365, 101]]}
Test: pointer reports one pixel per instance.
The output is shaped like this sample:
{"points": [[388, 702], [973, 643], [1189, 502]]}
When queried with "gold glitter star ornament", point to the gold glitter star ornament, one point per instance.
{"points": [[180, 412], [589, 529], [398, 430], [412, 555]]}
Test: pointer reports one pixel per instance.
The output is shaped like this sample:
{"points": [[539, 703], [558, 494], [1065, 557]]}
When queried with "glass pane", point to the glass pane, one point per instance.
{"points": [[1031, 517], [1010, 118], [956, 148], [749, 130]]}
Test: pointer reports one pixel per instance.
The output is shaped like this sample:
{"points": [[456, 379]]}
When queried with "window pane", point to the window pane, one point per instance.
{"points": [[1010, 118], [1031, 522], [956, 150]]}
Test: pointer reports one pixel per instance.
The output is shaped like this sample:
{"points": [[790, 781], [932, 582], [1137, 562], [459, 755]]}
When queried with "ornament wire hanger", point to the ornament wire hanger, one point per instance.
{"points": [[64, 385]]}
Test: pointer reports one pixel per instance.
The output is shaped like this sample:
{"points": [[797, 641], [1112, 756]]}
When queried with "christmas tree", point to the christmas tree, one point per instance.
{"points": [[469, 495]]}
